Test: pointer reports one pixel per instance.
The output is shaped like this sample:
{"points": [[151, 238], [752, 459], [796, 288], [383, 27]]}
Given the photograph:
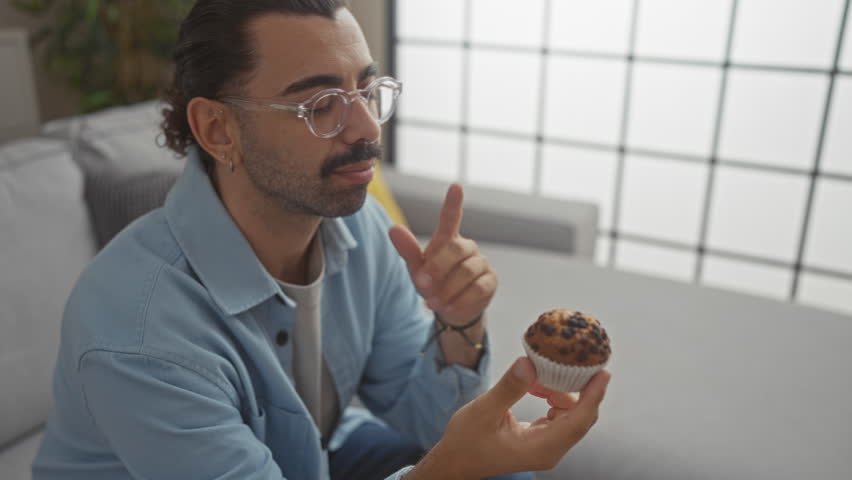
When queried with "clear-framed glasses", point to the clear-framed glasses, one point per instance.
{"points": [[326, 112]]}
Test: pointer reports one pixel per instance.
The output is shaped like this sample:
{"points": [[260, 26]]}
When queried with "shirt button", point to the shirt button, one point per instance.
{"points": [[281, 338]]}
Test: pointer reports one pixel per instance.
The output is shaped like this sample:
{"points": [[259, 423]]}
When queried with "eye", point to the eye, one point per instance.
{"points": [[324, 104]]}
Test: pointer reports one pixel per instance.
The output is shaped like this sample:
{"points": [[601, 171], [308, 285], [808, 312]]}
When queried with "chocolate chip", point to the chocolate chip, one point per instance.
{"points": [[530, 332], [584, 341], [534, 346], [582, 357], [604, 335], [578, 322], [594, 350], [568, 333], [547, 329], [564, 350]]}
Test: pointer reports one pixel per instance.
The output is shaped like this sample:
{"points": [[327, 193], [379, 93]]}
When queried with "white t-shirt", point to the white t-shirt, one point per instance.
{"points": [[310, 373]]}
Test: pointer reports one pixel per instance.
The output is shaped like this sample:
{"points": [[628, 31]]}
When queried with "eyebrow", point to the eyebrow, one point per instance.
{"points": [[326, 80]]}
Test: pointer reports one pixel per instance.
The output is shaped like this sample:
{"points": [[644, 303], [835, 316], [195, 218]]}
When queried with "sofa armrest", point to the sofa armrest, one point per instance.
{"points": [[492, 215]]}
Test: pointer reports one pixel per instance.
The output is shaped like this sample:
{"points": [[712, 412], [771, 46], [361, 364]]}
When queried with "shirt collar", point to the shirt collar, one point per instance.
{"points": [[218, 251]]}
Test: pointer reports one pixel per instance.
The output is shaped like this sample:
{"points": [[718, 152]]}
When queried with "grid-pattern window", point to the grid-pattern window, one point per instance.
{"points": [[715, 135]]}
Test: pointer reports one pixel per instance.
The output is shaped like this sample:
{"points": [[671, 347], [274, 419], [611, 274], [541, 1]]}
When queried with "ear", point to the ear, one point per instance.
{"points": [[210, 124]]}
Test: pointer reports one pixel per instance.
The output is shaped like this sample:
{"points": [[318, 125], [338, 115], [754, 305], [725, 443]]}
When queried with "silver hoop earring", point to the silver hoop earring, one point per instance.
{"points": [[230, 164]]}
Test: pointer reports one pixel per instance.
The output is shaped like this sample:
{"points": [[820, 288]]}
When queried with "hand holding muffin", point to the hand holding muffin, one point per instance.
{"points": [[484, 439], [568, 351]]}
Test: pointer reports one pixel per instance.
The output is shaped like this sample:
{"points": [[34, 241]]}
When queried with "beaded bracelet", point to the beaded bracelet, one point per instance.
{"points": [[455, 328]]}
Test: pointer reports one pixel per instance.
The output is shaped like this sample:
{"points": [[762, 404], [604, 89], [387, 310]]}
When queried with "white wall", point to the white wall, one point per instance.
{"points": [[54, 100]]}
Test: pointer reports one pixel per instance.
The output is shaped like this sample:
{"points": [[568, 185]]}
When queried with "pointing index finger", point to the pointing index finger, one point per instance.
{"points": [[451, 213]]}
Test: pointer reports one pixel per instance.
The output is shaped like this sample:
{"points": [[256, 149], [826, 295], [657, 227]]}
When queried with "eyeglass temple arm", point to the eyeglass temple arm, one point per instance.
{"points": [[250, 102]]}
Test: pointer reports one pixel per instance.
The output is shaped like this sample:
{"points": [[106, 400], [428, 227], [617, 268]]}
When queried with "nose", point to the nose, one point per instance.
{"points": [[361, 124]]}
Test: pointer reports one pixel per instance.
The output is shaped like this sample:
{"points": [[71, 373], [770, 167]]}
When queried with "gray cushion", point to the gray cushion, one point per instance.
{"points": [[116, 198], [128, 172], [45, 242], [127, 138], [16, 459]]}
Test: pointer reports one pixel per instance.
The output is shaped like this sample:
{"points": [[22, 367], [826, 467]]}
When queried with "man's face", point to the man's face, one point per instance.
{"points": [[287, 164]]}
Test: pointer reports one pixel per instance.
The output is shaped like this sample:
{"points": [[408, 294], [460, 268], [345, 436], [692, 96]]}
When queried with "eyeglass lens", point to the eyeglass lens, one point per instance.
{"points": [[329, 111]]}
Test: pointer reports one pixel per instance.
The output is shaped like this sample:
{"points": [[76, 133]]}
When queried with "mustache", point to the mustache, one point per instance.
{"points": [[359, 153]]}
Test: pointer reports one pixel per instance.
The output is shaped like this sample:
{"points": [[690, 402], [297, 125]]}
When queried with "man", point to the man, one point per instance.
{"points": [[223, 335]]}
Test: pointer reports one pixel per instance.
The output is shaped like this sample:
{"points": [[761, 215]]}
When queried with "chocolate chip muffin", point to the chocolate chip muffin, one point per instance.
{"points": [[568, 347], [569, 337]]}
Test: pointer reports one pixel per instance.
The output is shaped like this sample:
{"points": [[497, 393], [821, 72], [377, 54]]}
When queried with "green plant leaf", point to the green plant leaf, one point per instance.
{"points": [[94, 101], [112, 12], [32, 6], [92, 9], [86, 45]]}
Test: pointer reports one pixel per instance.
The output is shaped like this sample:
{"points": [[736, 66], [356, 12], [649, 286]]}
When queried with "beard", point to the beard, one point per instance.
{"points": [[285, 182]]}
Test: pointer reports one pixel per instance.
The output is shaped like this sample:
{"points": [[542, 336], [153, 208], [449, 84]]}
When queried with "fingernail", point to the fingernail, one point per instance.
{"points": [[423, 280], [434, 303]]}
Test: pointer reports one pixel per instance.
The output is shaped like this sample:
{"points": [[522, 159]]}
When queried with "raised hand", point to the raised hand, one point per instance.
{"points": [[450, 273]]}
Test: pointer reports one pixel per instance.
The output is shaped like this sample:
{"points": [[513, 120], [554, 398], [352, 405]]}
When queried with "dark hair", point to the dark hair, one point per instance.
{"points": [[214, 52]]}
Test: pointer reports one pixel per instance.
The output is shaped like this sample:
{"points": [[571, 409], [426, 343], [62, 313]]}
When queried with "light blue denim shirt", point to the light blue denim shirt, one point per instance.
{"points": [[164, 370]]}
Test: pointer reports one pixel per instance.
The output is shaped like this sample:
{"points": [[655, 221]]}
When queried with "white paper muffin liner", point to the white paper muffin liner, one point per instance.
{"points": [[562, 378]]}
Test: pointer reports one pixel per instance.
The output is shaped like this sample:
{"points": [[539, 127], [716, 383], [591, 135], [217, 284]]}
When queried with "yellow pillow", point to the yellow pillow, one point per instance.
{"points": [[378, 188]]}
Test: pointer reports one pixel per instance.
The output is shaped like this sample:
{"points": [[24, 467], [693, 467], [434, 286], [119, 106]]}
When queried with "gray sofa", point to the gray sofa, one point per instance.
{"points": [[66, 192]]}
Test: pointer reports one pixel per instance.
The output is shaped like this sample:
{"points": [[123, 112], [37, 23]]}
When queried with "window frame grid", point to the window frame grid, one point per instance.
{"points": [[813, 174]]}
